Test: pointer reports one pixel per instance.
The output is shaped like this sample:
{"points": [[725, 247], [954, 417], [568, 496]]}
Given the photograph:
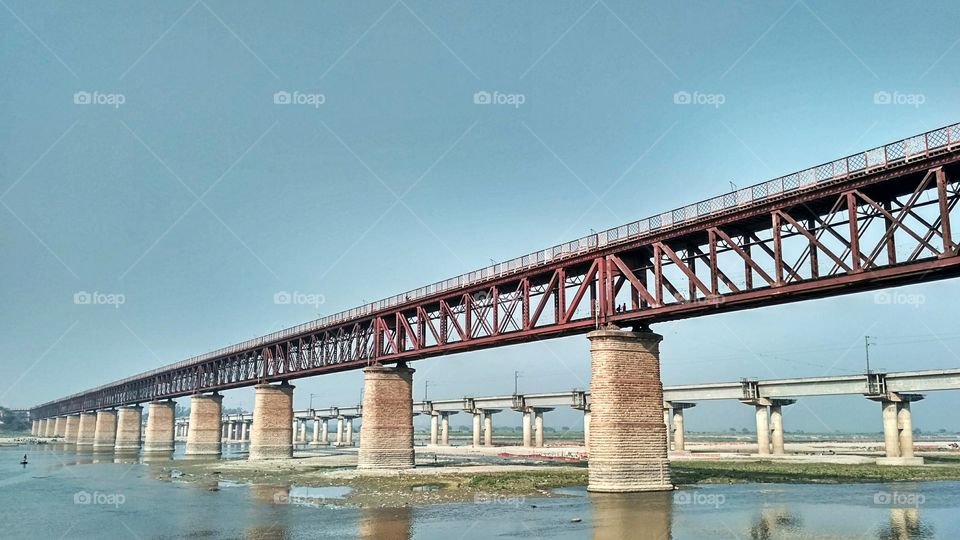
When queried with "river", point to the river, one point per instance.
{"points": [[62, 494]]}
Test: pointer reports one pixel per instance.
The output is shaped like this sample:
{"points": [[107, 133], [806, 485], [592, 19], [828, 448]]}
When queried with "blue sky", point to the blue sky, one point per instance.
{"points": [[185, 190]]}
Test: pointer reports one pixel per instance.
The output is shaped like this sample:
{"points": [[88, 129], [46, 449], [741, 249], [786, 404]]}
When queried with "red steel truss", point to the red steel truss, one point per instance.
{"points": [[872, 220]]}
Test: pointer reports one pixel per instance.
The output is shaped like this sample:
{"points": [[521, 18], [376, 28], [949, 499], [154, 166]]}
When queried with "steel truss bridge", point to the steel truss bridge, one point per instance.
{"points": [[874, 219]]}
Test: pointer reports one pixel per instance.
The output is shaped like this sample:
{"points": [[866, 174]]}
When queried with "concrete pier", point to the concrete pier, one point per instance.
{"points": [[105, 431], [445, 429], [325, 431], [70, 430], [158, 436], [203, 431], [349, 431], [316, 432], [60, 427], [628, 440], [476, 427], [271, 434], [776, 430], [339, 440], [85, 431], [386, 436], [763, 430], [538, 427], [898, 430], [527, 428], [488, 428], [129, 429], [434, 428], [586, 428]]}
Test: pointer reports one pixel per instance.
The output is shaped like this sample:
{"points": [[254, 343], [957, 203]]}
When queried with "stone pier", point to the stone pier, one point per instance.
{"points": [[628, 440], [271, 434], [203, 430], [105, 431], [898, 429], [60, 427], [386, 434], [85, 431], [129, 429], [70, 431], [158, 436]]}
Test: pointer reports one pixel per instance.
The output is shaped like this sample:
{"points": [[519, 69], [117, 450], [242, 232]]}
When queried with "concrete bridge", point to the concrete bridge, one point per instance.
{"points": [[874, 219], [894, 391]]}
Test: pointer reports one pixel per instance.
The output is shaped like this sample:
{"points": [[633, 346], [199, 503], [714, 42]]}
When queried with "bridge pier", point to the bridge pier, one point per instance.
{"points": [[271, 434], [487, 415], [477, 429], [158, 436], [70, 429], [85, 431], [60, 426], [628, 442], [586, 428], [349, 431], [105, 431], [445, 428], [204, 437], [302, 430], [339, 439], [679, 438], [769, 415], [386, 438], [434, 428], [325, 431], [129, 429], [898, 430]]}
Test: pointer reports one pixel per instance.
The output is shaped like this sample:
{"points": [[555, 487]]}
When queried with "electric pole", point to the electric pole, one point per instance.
{"points": [[866, 347]]}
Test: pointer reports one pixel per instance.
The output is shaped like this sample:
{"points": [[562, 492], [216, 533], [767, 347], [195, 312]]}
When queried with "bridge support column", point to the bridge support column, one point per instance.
{"points": [[679, 436], [244, 430], [628, 442], [224, 430], [315, 438], [538, 427], [204, 436], [586, 428], [271, 435], [386, 438], [325, 431], [763, 430], [158, 437], [898, 430], [60, 426], [445, 429], [85, 431], [339, 441], [527, 428], [105, 432], [129, 429], [476, 427], [487, 428], [70, 431], [302, 438], [434, 428], [349, 428]]}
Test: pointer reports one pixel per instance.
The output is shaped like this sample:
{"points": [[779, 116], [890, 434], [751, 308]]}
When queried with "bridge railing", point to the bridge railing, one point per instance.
{"points": [[896, 153]]}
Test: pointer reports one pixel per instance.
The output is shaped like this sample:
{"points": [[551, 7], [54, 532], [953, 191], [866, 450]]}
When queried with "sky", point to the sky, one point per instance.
{"points": [[168, 169]]}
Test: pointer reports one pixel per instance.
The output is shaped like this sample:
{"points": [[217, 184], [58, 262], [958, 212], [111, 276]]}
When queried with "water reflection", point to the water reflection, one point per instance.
{"points": [[905, 524], [384, 523], [773, 521], [269, 518], [632, 515]]}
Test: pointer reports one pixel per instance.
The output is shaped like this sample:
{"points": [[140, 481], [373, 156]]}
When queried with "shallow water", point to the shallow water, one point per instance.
{"points": [[62, 494]]}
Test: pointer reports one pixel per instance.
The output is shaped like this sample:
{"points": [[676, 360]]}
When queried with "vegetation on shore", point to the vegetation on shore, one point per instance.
{"points": [[730, 472]]}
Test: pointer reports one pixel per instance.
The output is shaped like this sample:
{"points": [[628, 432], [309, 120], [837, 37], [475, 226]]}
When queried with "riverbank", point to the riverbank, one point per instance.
{"points": [[433, 483]]}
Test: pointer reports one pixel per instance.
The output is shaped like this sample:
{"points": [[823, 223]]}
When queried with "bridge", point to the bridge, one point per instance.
{"points": [[892, 390], [874, 219]]}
